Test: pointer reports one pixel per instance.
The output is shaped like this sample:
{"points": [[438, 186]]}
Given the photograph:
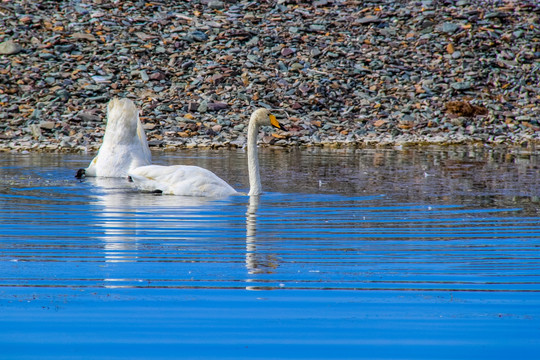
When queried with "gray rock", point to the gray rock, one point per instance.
{"points": [[10, 48], [368, 20], [317, 27], [196, 36], [46, 56], [144, 76], [47, 125], [64, 48], [35, 130], [203, 107], [464, 85], [88, 117], [449, 28], [215, 4], [63, 94]]}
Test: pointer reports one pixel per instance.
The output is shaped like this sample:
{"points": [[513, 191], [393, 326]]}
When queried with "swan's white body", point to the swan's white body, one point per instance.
{"points": [[181, 180], [195, 181], [124, 143]]}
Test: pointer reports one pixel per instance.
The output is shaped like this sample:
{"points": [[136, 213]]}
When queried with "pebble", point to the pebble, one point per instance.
{"points": [[47, 125], [449, 28], [10, 48], [465, 85], [402, 72]]}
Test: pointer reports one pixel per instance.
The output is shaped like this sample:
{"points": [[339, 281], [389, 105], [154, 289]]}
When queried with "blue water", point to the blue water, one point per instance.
{"points": [[376, 254]]}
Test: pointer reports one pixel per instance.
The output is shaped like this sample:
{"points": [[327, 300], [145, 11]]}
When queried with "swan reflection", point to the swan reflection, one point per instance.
{"points": [[119, 220], [128, 215], [135, 225], [257, 262], [130, 218]]}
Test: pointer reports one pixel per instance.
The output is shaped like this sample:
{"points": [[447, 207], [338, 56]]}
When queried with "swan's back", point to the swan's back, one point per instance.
{"points": [[124, 143], [181, 180]]}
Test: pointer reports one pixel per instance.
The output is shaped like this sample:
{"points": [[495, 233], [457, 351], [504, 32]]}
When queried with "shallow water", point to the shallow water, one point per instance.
{"points": [[407, 253]]}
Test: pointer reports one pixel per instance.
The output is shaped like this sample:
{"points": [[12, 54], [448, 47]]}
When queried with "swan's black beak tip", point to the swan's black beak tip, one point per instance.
{"points": [[81, 173]]}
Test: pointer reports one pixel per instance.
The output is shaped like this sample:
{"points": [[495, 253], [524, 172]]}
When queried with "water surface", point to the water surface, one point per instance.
{"points": [[377, 253]]}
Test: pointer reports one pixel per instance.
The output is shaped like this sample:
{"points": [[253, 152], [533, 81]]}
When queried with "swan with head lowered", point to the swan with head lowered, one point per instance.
{"points": [[124, 143], [196, 181]]}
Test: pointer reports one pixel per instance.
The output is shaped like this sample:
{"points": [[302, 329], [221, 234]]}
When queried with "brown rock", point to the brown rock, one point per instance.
{"points": [[216, 106], [287, 51], [464, 108], [157, 76]]}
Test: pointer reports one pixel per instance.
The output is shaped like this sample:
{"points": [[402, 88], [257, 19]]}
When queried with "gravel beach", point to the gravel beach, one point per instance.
{"points": [[347, 73]]}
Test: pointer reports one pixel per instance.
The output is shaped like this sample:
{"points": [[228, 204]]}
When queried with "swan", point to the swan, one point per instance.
{"points": [[124, 143], [196, 181]]}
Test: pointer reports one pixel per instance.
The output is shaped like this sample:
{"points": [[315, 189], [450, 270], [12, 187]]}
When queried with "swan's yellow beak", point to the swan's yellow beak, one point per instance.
{"points": [[275, 123]]}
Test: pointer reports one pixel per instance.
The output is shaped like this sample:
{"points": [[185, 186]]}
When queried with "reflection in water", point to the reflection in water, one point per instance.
{"points": [[119, 224], [251, 235], [119, 218], [124, 215], [257, 261], [446, 215]]}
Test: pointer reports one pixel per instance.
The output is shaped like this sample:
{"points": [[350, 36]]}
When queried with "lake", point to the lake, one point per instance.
{"points": [[398, 253]]}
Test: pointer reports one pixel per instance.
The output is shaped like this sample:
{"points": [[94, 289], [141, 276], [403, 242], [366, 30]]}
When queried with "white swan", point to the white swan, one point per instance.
{"points": [[195, 181], [124, 143]]}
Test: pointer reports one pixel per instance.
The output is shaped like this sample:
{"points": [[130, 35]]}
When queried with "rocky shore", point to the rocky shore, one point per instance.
{"points": [[346, 72]]}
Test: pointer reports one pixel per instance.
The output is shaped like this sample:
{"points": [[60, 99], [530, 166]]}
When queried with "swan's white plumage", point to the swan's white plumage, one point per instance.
{"points": [[124, 143], [181, 180], [195, 181]]}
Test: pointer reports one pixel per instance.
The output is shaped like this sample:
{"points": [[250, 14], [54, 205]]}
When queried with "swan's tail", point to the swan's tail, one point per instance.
{"points": [[122, 110], [126, 128]]}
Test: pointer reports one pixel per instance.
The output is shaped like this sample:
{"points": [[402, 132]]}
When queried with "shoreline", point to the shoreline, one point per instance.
{"points": [[524, 144]]}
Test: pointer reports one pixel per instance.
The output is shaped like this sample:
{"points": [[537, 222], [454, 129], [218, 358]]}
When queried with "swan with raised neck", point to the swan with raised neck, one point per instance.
{"points": [[124, 144], [196, 181]]}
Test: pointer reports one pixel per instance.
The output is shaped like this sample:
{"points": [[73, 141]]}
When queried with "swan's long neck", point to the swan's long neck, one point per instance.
{"points": [[255, 187]]}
